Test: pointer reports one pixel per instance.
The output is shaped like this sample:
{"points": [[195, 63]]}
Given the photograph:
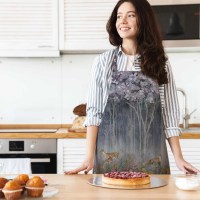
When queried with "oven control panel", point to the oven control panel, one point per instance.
{"points": [[9, 146]]}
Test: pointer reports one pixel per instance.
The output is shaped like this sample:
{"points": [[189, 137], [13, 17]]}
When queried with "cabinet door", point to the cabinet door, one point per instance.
{"points": [[83, 25], [191, 153], [28, 25], [71, 153]]}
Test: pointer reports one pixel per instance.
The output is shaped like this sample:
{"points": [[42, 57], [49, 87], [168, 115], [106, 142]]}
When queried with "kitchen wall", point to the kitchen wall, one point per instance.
{"points": [[186, 70], [45, 90]]}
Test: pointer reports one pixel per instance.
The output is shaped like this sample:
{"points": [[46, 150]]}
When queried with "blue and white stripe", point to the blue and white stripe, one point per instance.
{"points": [[101, 80]]}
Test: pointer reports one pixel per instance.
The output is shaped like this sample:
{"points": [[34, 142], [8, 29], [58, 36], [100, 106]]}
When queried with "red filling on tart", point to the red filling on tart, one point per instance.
{"points": [[126, 175]]}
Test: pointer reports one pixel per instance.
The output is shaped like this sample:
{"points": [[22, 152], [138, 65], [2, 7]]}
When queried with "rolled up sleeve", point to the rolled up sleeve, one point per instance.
{"points": [[95, 97], [171, 114]]}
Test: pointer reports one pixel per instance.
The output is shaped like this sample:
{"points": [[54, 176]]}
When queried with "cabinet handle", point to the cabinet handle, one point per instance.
{"points": [[45, 46], [43, 160]]}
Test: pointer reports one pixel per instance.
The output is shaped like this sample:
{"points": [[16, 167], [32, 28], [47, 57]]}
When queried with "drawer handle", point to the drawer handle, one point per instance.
{"points": [[43, 160]]}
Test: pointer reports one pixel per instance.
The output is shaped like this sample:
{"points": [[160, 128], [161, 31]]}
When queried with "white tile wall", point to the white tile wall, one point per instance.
{"points": [[76, 71], [45, 90], [186, 69], [30, 90]]}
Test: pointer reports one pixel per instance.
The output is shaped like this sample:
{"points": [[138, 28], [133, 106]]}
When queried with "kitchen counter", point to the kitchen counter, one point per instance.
{"points": [[60, 133], [64, 133], [189, 135], [75, 187]]}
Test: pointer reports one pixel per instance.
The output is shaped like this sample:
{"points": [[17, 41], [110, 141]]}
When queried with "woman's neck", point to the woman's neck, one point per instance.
{"points": [[129, 47]]}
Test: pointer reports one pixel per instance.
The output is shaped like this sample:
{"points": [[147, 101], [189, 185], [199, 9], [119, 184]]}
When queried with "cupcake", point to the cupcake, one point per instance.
{"points": [[12, 190], [35, 187], [22, 180], [3, 181]]}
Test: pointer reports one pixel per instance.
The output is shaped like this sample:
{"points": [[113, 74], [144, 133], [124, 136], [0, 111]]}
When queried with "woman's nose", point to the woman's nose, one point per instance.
{"points": [[124, 20]]}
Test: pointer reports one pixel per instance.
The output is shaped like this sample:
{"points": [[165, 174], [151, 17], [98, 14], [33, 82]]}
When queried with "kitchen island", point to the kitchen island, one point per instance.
{"points": [[75, 187]]}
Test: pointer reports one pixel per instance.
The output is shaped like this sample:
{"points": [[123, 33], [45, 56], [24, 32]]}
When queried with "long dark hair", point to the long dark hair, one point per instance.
{"points": [[149, 40]]}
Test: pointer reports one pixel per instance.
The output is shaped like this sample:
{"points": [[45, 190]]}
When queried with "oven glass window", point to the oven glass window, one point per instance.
{"points": [[178, 22]]}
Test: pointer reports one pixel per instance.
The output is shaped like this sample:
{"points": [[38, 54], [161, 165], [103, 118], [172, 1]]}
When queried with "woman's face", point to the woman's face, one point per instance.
{"points": [[126, 23]]}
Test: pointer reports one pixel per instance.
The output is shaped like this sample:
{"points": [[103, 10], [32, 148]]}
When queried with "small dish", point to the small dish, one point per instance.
{"points": [[49, 191], [187, 182]]}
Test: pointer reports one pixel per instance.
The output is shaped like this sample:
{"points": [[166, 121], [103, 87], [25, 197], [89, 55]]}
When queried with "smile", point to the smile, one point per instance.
{"points": [[124, 28]]}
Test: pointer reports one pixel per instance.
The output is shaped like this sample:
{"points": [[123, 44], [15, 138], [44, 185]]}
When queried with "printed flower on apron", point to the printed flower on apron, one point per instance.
{"points": [[133, 86]]}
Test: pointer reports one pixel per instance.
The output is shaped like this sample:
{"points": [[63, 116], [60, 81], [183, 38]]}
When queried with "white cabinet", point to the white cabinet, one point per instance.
{"points": [[29, 28], [71, 153], [83, 25], [191, 153]]}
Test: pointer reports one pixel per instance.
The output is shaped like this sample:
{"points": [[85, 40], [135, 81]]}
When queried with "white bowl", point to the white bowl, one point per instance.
{"points": [[187, 182]]}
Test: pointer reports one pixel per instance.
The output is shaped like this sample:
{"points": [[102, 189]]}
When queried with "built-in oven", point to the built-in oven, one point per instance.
{"points": [[42, 153], [179, 22]]}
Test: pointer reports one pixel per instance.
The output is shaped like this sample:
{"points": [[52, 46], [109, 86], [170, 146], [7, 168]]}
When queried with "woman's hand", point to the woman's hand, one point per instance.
{"points": [[87, 165], [180, 162], [186, 167]]}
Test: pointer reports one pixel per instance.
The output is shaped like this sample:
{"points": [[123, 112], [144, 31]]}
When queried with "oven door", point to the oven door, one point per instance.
{"points": [[40, 163]]}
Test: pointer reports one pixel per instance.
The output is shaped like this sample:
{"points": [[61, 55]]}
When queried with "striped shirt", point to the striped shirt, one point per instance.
{"points": [[100, 83]]}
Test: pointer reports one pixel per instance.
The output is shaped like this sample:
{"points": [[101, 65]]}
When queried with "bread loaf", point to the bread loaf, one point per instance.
{"points": [[80, 110], [78, 123]]}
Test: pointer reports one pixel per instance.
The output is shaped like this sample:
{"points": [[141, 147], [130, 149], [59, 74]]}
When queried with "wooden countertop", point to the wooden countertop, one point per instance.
{"points": [[64, 133], [60, 133], [190, 136], [75, 187]]}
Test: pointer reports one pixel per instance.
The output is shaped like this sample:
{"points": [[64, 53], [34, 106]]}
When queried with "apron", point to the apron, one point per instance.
{"points": [[130, 136]]}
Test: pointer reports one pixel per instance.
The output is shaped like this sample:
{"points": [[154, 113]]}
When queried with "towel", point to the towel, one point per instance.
{"points": [[15, 166]]}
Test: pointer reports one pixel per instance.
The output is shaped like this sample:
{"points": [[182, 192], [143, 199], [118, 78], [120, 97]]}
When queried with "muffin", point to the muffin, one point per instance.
{"points": [[35, 187], [12, 190], [3, 181], [22, 180]]}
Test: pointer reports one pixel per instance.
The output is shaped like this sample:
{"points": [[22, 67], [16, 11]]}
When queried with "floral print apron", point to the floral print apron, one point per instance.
{"points": [[130, 136]]}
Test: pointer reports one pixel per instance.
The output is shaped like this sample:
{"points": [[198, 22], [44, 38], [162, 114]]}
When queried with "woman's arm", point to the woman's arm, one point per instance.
{"points": [[171, 113], [91, 139], [180, 162], [171, 121], [88, 163], [93, 118]]}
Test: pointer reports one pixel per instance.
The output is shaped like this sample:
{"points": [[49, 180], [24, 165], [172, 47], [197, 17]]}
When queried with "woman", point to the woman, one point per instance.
{"points": [[132, 99]]}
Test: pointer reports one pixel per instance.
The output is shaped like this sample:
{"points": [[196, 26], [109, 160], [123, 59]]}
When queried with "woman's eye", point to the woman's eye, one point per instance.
{"points": [[131, 15], [118, 17]]}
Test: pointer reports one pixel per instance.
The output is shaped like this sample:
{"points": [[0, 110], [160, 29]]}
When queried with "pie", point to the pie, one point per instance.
{"points": [[126, 178]]}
